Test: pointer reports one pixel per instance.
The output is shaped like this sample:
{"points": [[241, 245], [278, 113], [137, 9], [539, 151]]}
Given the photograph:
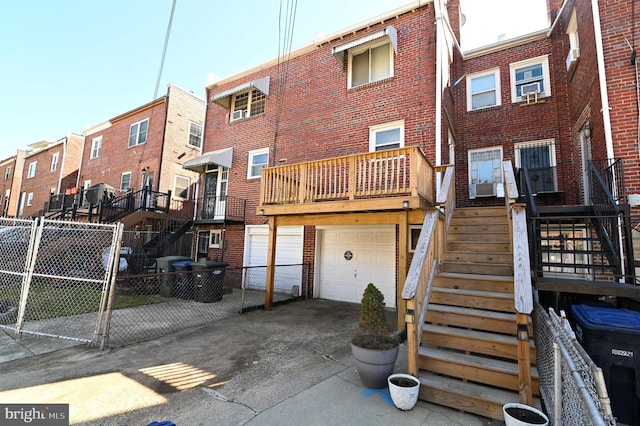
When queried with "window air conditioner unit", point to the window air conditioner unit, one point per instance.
{"points": [[485, 189], [238, 114], [572, 59], [530, 92]]}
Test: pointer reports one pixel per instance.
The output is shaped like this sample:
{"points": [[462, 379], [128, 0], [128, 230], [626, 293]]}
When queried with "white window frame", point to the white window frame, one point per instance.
{"points": [[546, 80], [30, 199], [201, 236], [137, 136], [195, 135], [550, 144], [215, 238], [375, 130], [496, 73], [368, 47], [96, 147], [32, 169], [7, 173], [497, 175], [256, 104], [87, 184], [252, 155], [186, 188], [54, 161], [122, 181], [572, 32], [414, 231]]}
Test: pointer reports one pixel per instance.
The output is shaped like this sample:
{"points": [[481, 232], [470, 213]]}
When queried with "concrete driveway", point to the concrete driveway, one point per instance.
{"points": [[291, 365]]}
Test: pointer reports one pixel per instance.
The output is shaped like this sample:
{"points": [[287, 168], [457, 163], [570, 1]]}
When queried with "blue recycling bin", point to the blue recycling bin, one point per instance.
{"points": [[611, 337], [185, 287]]}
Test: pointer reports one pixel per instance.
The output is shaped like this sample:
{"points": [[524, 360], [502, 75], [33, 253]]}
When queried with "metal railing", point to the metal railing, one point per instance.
{"points": [[221, 208]]}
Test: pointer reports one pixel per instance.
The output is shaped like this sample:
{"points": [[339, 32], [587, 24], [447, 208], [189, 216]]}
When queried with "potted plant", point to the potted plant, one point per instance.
{"points": [[374, 346]]}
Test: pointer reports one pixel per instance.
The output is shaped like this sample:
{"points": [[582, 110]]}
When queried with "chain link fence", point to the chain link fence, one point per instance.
{"points": [[571, 386]]}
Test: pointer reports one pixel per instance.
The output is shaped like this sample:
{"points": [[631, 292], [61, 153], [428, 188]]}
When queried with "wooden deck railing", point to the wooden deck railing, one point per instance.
{"points": [[417, 287], [522, 290], [396, 172]]}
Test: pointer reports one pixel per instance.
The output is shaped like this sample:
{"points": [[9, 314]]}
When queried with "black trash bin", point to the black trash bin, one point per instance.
{"points": [[611, 337], [209, 280], [185, 287], [168, 281]]}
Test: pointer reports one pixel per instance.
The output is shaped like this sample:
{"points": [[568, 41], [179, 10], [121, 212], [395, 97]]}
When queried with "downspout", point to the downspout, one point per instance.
{"points": [[438, 118], [84, 142], [606, 117], [64, 155]]}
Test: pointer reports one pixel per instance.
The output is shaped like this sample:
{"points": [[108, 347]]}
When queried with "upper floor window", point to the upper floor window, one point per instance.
{"points": [[386, 136], [530, 77], [539, 158], [574, 42], [483, 89], [485, 172], [195, 134], [30, 199], [370, 64], [125, 181], [138, 132], [258, 160], [248, 104], [7, 173], [32, 169], [181, 187], [54, 161], [96, 147]]}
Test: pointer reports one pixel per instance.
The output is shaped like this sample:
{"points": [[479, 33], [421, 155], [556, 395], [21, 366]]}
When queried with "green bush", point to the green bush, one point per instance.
{"points": [[374, 330]]}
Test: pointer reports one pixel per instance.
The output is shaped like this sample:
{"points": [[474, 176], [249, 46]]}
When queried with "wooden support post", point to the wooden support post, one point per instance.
{"points": [[412, 338], [524, 359], [271, 263], [403, 255]]}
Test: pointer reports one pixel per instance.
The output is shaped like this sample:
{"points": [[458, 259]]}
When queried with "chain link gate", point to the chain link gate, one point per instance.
{"points": [[68, 269]]}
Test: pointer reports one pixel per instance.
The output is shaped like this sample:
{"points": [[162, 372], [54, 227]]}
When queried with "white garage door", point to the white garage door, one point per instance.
{"points": [[289, 247], [349, 258]]}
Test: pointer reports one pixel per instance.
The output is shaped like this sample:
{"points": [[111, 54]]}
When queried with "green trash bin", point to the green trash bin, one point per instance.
{"points": [[209, 280], [167, 281]]}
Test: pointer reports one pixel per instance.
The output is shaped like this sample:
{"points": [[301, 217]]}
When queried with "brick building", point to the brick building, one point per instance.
{"points": [[50, 168], [11, 169]]}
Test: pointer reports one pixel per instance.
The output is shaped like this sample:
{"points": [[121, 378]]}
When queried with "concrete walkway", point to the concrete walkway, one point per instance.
{"points": [[288, 366]]}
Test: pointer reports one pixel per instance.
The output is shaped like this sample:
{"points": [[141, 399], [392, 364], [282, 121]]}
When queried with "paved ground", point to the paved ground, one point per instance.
{"points": [[291, 365]]}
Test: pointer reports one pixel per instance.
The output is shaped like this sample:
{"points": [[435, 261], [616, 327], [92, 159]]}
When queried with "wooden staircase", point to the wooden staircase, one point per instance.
{"points": [[468, 357]]}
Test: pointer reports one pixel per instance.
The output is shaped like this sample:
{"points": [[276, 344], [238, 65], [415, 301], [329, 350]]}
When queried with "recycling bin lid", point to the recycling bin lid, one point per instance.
{"points": [[182, 263], [172, 259], [613, 319], [210, 264]]}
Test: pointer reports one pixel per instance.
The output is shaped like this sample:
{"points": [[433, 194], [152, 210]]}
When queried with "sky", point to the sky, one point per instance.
{"points": [[67, 65]]}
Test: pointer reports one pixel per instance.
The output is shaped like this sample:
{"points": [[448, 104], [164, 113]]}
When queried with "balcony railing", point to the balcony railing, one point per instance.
{"points": [[218, 208], [390, 173]]}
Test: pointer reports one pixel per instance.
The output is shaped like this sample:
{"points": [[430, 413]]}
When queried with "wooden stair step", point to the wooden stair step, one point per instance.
{"points": [[479, 245], [489, 300], [474, 368], [474, 341], [489, 232], [475, 319], [477, 268], [454, 280], [477, 257], [480, 211], [469, 397]]}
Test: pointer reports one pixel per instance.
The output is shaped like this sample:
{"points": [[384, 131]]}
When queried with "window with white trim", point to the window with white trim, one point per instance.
{"points": [[371, 62], [32, 169], [386, 136], [414, 237], [485, 172], [54, 161], [203, 243], [215, 238], [247, 104], [30, 199], [138, 132], [181, 187], [530, 77], [125, 181], [195, 135], [87, 184], [96, 147], [539, 158], [483, 89], [258, 160], [7, 173], [574, 42]]}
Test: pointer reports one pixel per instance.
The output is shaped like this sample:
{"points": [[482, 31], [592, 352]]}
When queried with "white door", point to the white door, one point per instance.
{"points": [[289, 247], [349, 258]]}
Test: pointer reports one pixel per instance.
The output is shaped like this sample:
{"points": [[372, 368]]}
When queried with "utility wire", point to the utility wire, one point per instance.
{"points": [[164, 50]]}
